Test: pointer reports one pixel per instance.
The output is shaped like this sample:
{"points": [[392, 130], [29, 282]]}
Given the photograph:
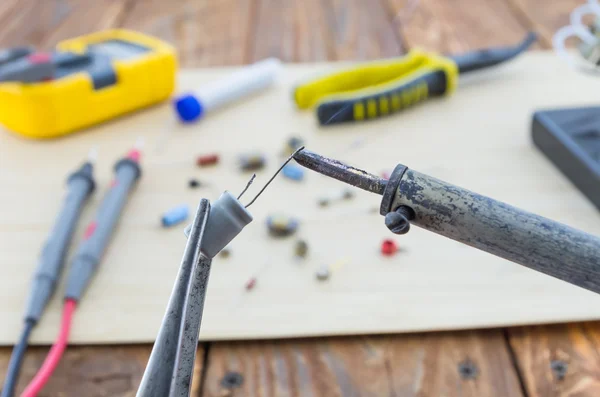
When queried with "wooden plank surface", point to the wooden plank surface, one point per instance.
{"points": [[458, 26], [546, 17], [558, 360], [43, 23], [293, 31], [114, 371], [362, 30], [473, 364], [205, 33]]}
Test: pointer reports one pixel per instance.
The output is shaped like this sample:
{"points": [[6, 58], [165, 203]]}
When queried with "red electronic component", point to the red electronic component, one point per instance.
{"points": [[389, 247], [208, 159], [251, 283]]}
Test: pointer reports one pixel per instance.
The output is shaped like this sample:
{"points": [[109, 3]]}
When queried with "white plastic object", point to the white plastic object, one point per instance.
{"points": [[592, 7], [226, 219], [561, 36], [577, 29], [247, 81]]}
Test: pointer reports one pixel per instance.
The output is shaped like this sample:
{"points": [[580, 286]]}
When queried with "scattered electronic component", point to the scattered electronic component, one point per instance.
{"points": [[323, 273], [175, 215], [282, 225], [389, 247], [207, 159], [252, 161], [293, 172], [301, 249]]}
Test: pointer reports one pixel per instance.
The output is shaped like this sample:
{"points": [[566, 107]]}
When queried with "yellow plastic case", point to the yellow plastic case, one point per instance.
{"points": [[58, 107]]}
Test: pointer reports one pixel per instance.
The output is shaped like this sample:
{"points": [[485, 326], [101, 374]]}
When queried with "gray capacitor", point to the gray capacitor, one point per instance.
{"points": [[226, 220], [51, 262], [98, 234]]}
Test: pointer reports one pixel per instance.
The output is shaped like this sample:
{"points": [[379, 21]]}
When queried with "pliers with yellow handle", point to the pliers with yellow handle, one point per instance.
{"points": [[375, 89]]}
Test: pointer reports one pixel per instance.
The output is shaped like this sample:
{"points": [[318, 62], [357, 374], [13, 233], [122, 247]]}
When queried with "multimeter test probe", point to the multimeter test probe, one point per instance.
{"points": [[80, 185], [84, 264]]}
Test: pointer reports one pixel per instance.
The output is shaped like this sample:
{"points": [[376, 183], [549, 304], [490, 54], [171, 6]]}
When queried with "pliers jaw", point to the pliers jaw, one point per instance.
{"points": [[171, 364]]}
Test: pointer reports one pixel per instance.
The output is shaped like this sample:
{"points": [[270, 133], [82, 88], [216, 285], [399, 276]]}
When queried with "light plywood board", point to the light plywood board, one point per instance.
{"points": [[479, 139]]}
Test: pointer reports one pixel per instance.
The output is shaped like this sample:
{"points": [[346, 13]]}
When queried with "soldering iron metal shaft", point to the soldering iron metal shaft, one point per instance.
{"points": [[481, 222], [342, 172]]}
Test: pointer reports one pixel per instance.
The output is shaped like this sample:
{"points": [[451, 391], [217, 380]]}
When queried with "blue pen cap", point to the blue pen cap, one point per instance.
{"points": [[188, 108]]}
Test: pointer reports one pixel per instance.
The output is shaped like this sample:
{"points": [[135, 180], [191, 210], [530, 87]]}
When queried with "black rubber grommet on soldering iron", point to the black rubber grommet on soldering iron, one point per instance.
{"points": [[390, 189]]}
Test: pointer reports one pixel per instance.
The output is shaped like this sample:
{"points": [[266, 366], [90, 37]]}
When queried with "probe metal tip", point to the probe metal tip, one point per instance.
{"points": [[340, 171]]}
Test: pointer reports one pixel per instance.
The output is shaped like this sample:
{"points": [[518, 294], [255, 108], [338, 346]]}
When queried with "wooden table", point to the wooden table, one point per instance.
{"points": [[545, 361]]}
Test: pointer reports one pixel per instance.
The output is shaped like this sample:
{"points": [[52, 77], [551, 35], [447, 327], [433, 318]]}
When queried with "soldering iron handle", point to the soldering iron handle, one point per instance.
{"points": [[500, 229]]}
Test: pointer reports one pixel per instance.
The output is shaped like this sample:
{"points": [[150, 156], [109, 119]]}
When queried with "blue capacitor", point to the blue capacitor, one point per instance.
{"points": [[175, 215], [293, 172]]}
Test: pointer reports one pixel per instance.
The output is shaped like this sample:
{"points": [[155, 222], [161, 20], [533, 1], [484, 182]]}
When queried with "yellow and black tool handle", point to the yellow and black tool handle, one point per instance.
{"points": [[377, 89], [383, 103]]}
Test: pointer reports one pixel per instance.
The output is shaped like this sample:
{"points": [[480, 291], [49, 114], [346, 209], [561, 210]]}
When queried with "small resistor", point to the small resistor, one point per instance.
{"points": [[301, 249], [175, 216], [207, 159], [282, 225], [293, 172], [250, 284], [252, 161]]}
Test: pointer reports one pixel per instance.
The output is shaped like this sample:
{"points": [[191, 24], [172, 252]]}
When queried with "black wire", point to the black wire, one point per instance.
{"points": [[16, 359]]}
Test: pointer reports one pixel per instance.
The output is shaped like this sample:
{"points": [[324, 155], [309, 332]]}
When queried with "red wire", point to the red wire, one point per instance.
{"points": [[51, 362]]}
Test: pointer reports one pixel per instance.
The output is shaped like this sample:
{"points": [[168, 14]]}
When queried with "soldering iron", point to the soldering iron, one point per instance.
{"points": [[411, 197]]}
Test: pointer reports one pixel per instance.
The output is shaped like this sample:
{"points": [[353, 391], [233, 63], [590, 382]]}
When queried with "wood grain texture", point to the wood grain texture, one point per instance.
{"points": [[114, 371], [43, 23], [293, 31], [558, 360], [205, 32], [458, 26], [362, 30], [545, 17], [411, 365]]}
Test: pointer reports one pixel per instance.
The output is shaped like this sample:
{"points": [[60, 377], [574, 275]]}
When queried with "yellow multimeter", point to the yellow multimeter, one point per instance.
{"points": [[85, 81]]}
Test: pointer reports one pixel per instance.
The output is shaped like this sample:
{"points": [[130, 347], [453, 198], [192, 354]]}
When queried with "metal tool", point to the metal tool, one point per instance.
{"points": [[481, 222], [80, 185], [171, 364], [375, 89]]}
